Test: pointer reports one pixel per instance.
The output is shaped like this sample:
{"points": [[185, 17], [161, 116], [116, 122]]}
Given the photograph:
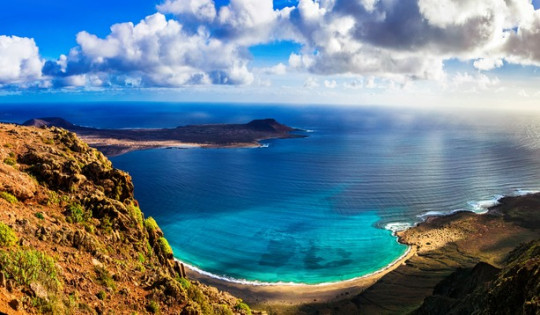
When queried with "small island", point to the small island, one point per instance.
{"points": [[119, 141]]}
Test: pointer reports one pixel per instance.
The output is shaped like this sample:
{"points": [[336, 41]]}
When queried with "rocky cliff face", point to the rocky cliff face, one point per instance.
{"points": [[485, 289], [73, 239]]}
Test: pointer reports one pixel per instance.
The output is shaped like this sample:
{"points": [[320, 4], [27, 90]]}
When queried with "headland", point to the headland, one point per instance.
{"points": [[119, 141]]}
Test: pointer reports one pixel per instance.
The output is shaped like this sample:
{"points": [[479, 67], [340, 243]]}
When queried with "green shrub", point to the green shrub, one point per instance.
{"points": [[141, 258], [27, 266], [8, 197], [164, 246], [103, 277], [7, 236], [242, 307], [136, 213], [184, 283], [76, 213], [39, 215], [151, 225], [106, 224], [10, 161], [153, 307], [101, 295], [53, 198]]}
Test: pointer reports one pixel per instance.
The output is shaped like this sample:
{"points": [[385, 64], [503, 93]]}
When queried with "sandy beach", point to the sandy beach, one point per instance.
{"points": [[297, 294]]}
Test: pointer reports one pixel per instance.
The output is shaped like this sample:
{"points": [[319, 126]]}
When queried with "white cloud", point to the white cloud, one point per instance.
{"points": [[473, 82], [203, 10], [20, 62], [279, 69], [311, 83], [486, 64], [156, 52], [331, 84]]}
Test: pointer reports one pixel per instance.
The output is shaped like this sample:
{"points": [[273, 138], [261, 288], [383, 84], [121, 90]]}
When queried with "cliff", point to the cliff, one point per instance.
{"points": [[485, 289], [74, 241]]}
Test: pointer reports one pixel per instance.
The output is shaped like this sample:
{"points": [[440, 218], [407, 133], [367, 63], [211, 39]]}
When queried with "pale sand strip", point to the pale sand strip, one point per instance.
{"points": [[299, 293]]}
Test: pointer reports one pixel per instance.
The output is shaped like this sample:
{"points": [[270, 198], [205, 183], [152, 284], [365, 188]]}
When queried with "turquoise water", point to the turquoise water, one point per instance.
{"points": [[317, 209]]}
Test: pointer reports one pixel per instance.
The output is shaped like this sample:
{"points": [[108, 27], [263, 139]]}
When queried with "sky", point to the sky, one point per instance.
{"points": [[433, 53]]}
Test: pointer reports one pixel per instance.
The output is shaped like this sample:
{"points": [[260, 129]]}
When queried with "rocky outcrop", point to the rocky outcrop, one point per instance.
{"points": [[77, 240]]}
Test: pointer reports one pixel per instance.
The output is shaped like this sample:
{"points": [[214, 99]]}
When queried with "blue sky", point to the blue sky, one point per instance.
{"points": [[412, 52]]}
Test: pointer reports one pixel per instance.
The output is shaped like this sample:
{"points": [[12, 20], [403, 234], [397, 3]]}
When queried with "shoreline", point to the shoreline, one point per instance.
{"points": [[115, 147], [294, 294], [264, 294]]}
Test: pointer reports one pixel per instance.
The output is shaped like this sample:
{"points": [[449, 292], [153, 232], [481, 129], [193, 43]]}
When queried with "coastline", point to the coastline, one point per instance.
{"points": [[296, 293], [115, 147], [291, 295]]}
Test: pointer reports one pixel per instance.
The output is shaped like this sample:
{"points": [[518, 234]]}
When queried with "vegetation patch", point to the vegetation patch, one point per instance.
{"points": [[153, 307], [242, 307], [8, 197], [10, 161], [7, 236], [136, 213], [76, 213], [103, 276], [39, 215], [164, 246], [29, 266], [151, 225]]}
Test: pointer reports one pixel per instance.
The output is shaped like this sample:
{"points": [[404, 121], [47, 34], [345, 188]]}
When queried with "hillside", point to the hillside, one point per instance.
{"points": [[74, 241], [485, 289]]}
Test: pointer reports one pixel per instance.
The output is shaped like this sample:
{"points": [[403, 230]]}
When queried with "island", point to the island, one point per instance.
{"points": [[119, 141]]}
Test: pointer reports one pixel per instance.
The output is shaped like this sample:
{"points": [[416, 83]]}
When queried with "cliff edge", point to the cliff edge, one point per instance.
{"points": [[74, 241]]}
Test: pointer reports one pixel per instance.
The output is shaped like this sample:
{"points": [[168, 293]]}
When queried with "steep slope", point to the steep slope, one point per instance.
{"points": [[485, 289], [74, 241]]}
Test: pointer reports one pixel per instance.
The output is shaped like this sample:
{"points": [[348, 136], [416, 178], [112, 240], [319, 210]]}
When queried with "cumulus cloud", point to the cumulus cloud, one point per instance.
{"points": [[199, 42], [20, 62], [154, 52], [412, 38], [486, 64]]}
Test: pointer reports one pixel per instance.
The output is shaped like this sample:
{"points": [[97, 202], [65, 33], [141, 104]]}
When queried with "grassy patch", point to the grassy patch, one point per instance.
{"points": [[151, 225], [76, 213], [103, 276], [8, 197], [164, 246], [10, 161], [153, 307], [135, 213], [27, 266], [39, 215], [184, 283], [242, 307], [141, 258], [101, 295], [7, 236]]}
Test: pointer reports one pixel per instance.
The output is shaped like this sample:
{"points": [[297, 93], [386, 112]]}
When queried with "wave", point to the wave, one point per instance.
{"points": [[280, 283], [478, 207], [483, 206], [398, 226]]}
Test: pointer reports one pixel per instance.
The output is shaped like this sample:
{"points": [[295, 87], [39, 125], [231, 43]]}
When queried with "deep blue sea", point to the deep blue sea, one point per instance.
{"points": [[321, 208]]}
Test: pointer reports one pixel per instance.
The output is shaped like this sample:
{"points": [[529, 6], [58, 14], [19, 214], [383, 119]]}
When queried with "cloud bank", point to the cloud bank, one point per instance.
{"points": [[195, 42], [20, 62]]}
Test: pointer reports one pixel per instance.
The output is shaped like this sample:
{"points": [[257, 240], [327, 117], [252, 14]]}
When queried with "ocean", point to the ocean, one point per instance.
{"points": [[316, 209]]}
